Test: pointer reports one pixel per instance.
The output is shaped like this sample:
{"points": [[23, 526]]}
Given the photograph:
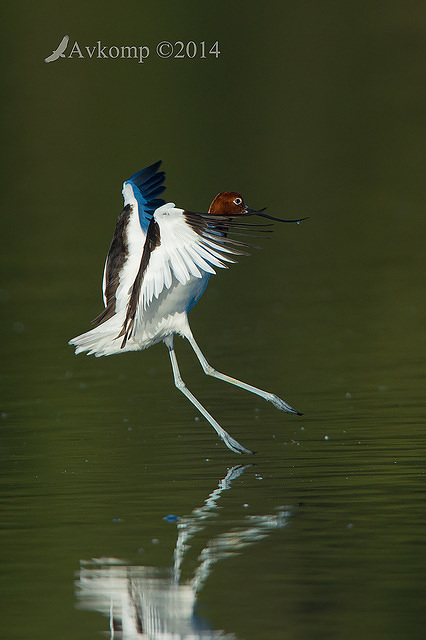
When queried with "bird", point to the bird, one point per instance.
{"points": [[59, 52], [158, 265]]}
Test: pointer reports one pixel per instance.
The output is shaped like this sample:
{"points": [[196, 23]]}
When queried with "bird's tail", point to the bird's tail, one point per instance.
{"points": [[104, 340]]}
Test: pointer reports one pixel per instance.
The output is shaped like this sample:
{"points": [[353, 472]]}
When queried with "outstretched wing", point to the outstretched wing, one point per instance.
{"points": [[140, 194], [181, 245], [189, 246], [145, 186]]}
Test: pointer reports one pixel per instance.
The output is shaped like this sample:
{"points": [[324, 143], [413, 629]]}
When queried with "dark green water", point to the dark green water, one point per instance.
{"points": [[311, 109]]}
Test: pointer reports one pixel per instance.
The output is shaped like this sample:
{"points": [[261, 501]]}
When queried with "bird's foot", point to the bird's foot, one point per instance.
{"points": [[283, 406], [234, 445]]}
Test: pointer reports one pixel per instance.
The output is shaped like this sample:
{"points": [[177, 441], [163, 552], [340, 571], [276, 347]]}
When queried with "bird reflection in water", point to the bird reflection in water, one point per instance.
{"points": [[155, 604]]}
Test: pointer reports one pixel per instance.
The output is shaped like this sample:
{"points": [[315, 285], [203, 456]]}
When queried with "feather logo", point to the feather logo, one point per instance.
{"points": [[59, 52]]}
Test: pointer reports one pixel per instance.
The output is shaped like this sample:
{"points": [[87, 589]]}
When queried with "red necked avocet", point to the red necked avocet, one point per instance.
{"points": [[158, 266]]}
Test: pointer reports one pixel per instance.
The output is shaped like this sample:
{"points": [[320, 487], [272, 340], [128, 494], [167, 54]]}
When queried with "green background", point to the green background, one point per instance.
{"points": [[311, 109]]}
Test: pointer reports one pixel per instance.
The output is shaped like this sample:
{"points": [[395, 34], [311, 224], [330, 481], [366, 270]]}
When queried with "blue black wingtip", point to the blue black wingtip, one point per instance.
{"points": [[149, 181], [142, 176]]}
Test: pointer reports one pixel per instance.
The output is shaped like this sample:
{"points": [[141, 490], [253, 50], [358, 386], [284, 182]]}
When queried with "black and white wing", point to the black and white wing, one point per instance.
{"points": [[124, 257], [181, 246]]}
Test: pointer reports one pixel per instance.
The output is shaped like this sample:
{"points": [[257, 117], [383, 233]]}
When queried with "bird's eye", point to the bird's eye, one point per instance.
{"points": [[238, 201]]}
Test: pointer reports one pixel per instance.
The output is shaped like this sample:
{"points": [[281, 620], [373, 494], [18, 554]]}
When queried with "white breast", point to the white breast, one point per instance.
{"points": [[168, 313]]}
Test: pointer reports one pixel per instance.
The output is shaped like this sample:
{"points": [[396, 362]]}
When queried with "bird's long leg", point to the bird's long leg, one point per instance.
{"points": [[210, 371], [230, 442]]}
